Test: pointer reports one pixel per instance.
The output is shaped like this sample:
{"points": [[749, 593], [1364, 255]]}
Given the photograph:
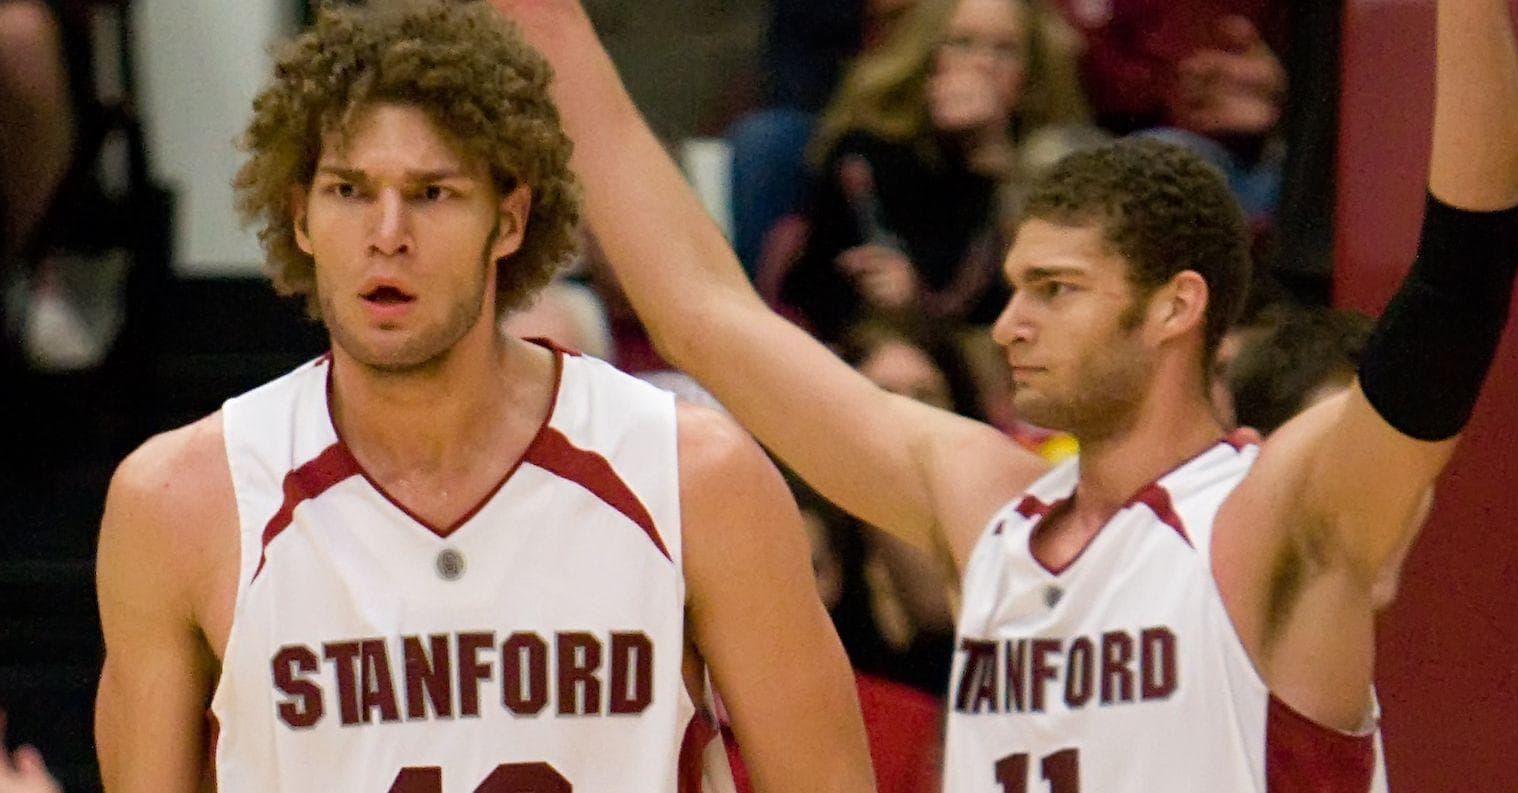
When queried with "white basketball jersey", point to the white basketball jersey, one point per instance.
{"points": [[1122, 673], [534, 647]]}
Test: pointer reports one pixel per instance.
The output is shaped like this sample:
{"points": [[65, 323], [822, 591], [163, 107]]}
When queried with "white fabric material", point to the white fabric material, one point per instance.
{"points": [[1121, 673], [549, 569]]}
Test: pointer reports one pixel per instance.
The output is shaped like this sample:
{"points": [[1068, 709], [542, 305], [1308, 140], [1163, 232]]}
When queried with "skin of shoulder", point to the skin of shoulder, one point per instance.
{"points": [[755, 616], [976, 470], [168, 553]]}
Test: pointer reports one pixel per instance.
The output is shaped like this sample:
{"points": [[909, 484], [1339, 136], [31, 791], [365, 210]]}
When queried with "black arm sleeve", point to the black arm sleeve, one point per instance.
{"points": [[1424, 365]]}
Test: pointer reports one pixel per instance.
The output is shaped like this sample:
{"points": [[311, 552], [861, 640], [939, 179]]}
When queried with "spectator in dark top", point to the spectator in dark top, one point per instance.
{"points": [[911, 159], [1202, 73], [1144, 59], [807, 44]]}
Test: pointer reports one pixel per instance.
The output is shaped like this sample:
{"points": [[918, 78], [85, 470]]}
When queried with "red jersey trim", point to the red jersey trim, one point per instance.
{"points": [[698, 734], [544, 341], [1153, 495], [1302, 756], [333, 465], [1157, 499], [553, 452], [1030, 507], [445, 531]]}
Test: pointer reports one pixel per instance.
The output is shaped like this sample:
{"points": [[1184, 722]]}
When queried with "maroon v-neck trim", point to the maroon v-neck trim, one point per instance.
{"points": [[305, 482], [1152, 495], [445, 531]]}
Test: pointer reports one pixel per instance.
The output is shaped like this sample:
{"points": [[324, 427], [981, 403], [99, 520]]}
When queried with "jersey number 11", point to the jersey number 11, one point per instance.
{"points": [[1062, 770]]}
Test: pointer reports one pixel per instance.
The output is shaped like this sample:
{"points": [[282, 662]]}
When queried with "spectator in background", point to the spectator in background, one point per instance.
{"points": [[913, 156], [1144, 59], [902, 720], [36, 121], [1293, 359], [1202, 73], [36, 131], [807, 43]]}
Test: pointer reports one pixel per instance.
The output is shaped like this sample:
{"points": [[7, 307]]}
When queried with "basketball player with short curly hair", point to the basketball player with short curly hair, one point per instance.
{"points": [[438, 558], [1177, 609]]}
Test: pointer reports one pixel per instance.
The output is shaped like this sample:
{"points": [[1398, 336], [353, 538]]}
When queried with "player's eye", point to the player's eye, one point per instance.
{"points": [[1050, 290], [434, 192]]}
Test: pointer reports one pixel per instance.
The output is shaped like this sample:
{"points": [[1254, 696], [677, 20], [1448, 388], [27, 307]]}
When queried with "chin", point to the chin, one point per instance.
{"points": [[1037, 412], [395, 356]]}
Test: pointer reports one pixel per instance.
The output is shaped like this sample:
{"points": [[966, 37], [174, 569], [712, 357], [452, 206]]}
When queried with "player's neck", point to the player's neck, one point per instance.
{"points": [[484, 393], [1167, 430]]}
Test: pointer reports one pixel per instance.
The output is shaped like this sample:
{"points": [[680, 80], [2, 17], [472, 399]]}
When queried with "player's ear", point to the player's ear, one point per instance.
{"points": [[298, 204], [512, 228], [1180, 305]]}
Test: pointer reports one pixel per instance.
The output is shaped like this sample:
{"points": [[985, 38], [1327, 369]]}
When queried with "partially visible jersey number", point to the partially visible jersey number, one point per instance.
{"points": [[1062, 770], [506, 778]]}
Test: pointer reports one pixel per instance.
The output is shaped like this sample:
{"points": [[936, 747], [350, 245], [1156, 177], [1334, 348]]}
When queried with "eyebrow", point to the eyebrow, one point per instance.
{"points": [[1045, 273], [412, 177]]}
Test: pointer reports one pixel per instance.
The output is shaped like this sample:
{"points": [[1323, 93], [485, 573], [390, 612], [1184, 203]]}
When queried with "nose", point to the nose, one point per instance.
{"points": [[390, 227], [1012, 325]]}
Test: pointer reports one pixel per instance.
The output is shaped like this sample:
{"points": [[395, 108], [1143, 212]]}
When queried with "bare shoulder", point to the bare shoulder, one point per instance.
{"points": [[182, 471], [978, 469], [171, 496], [712, 445], [731, 494]]}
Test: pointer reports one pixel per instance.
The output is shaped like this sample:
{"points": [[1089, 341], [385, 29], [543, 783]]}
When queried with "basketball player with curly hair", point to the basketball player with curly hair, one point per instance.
{"points": [[439, 558]]}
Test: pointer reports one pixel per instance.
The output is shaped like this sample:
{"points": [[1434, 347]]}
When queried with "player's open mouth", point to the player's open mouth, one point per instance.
{"points": [[387, 295]]}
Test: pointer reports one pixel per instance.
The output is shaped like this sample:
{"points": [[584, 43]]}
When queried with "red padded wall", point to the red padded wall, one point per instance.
{"points": [[1448, 648]]}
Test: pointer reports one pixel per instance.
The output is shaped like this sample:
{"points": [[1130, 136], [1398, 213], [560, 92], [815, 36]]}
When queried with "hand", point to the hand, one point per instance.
{"points": [[1236, 87], [884, 276], [25, 772]]}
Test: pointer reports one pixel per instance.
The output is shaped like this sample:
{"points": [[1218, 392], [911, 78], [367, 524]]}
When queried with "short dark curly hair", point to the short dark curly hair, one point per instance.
{"points": [[1164, 210], [463, 65]]}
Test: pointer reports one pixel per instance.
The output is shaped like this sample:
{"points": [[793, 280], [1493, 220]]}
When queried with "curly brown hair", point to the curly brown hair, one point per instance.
{"points": [[1164, 210], [462, 64]]}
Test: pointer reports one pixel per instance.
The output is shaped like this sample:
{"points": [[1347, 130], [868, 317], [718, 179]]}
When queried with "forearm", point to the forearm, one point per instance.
{"points": [[1475, 147], [670, 258], [1444, 324]]}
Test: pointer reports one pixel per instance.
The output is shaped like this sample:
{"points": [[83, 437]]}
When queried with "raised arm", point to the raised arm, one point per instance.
{"points": [[896, 464], [757, 620], [1330, 502], [150, 724], [1424, 365]]}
